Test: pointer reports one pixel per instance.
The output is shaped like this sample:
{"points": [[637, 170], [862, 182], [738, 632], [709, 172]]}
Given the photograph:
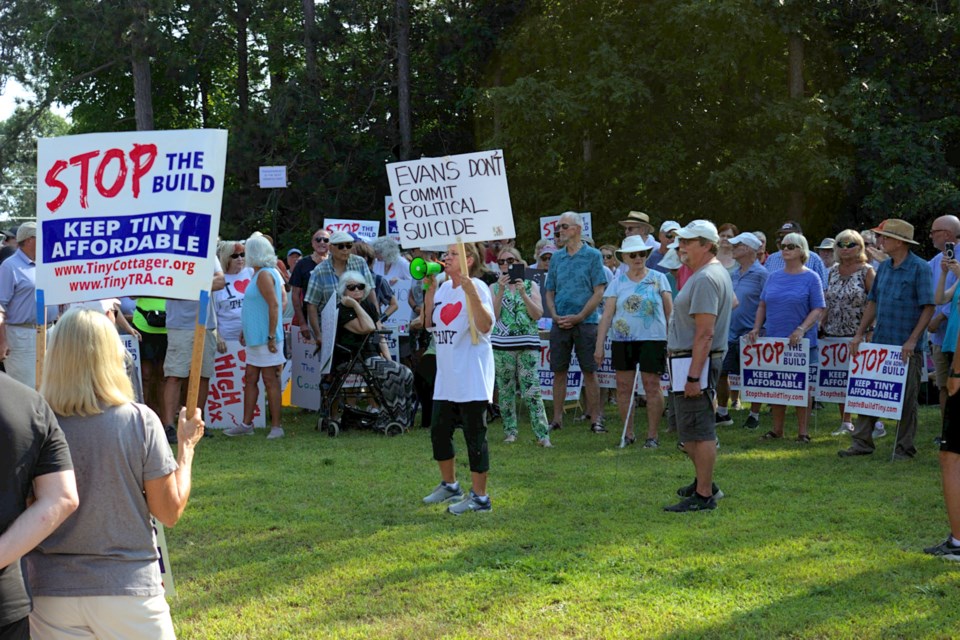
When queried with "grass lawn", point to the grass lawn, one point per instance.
{"points": [[318, 537]]}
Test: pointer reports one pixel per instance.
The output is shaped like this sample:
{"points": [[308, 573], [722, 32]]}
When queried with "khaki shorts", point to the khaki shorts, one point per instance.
{"points": [[941, 365], [103, 617], [180, 353]]}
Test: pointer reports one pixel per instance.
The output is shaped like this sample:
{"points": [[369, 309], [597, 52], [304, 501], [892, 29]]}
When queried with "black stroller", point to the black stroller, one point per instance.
{"points": [[387, 383]]}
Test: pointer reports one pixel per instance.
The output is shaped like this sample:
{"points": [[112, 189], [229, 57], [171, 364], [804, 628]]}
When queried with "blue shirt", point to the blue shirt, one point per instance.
{"points": [[953, 325], [572, 280], [900, 294], [790, 297], [653, 262], [747, 287], [639, 313], [937, 337], [17, 290], [814, 263], [255, 314]]}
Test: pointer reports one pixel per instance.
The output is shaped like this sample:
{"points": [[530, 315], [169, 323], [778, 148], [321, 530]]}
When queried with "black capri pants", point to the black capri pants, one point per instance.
{"points": [[472, 416]]}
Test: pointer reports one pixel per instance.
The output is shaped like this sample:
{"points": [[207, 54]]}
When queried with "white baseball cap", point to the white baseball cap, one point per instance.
{"points": [[700, 229], [748, 239], [669, 225]]}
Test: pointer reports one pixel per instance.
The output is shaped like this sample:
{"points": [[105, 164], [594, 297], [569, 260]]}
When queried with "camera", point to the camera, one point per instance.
{"points": [[948, 250]]}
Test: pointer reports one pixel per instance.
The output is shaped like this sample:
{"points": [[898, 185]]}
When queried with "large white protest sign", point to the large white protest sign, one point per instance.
{"points": [[834, 364], [775, 372], [574, 375], [368, 230], [305, 374], [440, 200], [225, 398], [328, 333], [548, 226], [877, 381], [128, 214]]}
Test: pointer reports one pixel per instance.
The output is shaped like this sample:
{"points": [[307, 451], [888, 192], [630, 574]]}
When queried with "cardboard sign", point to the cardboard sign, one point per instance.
{"points": [[441, 200], [774, 372], [368, 230], [225, 399], [834, 364], [877, 381], [128, 214], [305, 374], [548, 226]]}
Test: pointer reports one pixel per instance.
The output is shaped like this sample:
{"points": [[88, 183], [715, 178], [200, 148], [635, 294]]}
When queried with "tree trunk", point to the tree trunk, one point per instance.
{"points": [[243, 79], [140, 67], [309, 44], [796, 87], [403, 78]]}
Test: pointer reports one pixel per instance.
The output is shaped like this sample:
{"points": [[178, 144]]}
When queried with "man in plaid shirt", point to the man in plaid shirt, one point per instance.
{"points": [[901, 302]]}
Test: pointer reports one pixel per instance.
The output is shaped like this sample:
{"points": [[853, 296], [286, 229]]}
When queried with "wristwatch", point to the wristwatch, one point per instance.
{"points": [[692, 379]]}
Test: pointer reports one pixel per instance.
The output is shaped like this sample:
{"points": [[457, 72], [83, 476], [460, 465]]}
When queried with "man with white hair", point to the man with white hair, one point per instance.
{"points": [[574, 289], [17, 295], [668, 232], [697, 338]]}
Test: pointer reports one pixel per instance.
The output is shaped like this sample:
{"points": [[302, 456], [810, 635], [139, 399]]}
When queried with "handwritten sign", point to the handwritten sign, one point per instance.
{"points": [[439, 200], [128, 214], [833, 359], [225, 399], [305, 374], [773, 371], [368, 230], [548, 226], [877, 381]]}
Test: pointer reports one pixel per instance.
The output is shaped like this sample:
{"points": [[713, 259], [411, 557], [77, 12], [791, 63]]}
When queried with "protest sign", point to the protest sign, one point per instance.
{"points": [[328, 333], [574, 375], [441, 200], [877, 381], [548, 226], [390, 215], [128, 214], [834, 364], [368, 230], [225, 398], [305, 374], [775, 372], [733, 381]]}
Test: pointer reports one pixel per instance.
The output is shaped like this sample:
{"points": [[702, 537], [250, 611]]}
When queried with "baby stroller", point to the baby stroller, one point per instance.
{"points": [[388, 383]]}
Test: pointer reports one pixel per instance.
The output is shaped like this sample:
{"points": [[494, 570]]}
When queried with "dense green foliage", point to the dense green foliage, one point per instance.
{"points": [[677, 107]]}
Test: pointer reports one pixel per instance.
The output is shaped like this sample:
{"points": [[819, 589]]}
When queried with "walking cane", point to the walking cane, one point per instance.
{"points": [[633, 391]]}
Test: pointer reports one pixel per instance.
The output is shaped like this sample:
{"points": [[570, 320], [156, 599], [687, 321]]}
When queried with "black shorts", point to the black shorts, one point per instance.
{"points": [[153, 347], [651, 355], [950, 434], [731, 361]]}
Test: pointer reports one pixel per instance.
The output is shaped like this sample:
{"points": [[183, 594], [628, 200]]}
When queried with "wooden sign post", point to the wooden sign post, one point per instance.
{"points": [[196, 361], [465, 273]]}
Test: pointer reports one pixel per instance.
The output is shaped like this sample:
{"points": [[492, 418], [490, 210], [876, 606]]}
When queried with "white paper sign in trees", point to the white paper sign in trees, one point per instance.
{"points": [[128, 214], [440, 200]]}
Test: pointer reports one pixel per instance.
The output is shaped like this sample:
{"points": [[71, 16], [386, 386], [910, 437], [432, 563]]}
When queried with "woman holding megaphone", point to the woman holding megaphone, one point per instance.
{"points": [[465, 374]]}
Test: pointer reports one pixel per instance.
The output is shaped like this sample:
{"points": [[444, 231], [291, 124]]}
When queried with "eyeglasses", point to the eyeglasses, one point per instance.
{"points": [[847, 245], [356, 287], [321, 239], [234, 256], [565, 226], [344, 245], [637, 254], [789, 247], [507, 261], [671, 236], [546, 257], [607, 256]]}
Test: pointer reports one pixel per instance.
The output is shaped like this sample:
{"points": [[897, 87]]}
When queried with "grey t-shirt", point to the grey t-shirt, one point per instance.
{"points": [[708, 290], [107, 547]]}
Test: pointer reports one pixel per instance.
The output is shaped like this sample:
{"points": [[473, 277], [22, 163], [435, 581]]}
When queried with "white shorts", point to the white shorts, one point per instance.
{"points": [[103, 617], [21, 361], [260, 356]]}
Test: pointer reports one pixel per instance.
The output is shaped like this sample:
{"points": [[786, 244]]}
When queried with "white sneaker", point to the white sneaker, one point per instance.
{"points": [[239, 430], [275, 433], [846, 428], [511, 438], [545, 443], [879, 430]]}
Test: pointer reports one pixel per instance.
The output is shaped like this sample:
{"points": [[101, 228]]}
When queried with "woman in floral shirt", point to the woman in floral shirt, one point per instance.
{"points": [[636, 309], [516, 348]]}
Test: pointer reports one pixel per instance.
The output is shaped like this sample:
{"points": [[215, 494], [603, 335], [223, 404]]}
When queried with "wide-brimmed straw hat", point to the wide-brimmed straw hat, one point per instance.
{"points": [[896, 229], [637, 217]]}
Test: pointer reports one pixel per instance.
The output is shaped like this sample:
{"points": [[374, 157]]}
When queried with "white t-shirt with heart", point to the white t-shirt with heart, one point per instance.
{"points": [[465, 371], [228, 303]]}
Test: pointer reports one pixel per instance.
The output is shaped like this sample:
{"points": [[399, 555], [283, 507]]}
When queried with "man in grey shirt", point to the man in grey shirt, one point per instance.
{"points": [[698, 333]]}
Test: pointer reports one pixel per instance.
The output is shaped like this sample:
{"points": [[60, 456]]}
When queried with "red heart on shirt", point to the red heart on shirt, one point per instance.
{"points": [[450, 312], [241, 285]]}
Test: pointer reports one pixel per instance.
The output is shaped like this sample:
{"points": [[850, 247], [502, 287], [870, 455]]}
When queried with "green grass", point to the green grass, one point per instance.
{"points": [[318, 537]]}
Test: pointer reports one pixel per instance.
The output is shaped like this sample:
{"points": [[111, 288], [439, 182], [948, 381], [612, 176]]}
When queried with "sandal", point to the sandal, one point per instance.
{"points": [[771, 435], [597, 427], [804, 438]]}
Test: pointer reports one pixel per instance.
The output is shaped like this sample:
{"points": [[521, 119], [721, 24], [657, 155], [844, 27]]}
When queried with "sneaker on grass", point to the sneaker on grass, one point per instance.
{"points": [[879, 431], [753, 421], [693, 503], [845, 429], [444, 493], [471, 503], [690, 489], [275, 433], [651, 443], [510, 439], [239, 430], [724, 420], [946, 550]]}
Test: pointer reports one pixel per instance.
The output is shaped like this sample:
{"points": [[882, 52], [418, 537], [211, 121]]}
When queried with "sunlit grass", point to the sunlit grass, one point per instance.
{"points": [[313, 537]]}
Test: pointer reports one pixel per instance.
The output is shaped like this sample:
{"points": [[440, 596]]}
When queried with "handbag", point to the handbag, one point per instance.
{"points": [[154, 318]]}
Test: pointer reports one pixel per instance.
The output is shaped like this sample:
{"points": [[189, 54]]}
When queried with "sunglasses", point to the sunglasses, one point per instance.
{"points": [[637, 254], [565, 226], [506, 261], [789, 247], [671, 236], [344, 245], [234, 256], [321, 239], [356, 287], [846, 245], [546, 257], [607, 256]]}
